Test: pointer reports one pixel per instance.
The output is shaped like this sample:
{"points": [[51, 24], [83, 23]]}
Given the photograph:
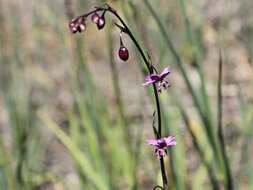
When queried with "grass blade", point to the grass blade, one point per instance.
{"points": [[80, 157], [229, 180]]}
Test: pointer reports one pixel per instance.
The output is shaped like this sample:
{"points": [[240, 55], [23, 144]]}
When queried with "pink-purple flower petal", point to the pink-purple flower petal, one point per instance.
{"points": [[152, 142], [170, 140], [164, 73]]}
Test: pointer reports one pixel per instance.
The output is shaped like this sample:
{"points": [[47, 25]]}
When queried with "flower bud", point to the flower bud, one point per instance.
{"points": [[101, 22], [77, 25], [123, 53], [81, 24], [95, 18], [81, 28], [72, 26]]}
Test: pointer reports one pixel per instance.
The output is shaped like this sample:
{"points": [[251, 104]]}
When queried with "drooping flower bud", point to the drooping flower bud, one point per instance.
{"points": [[72, 26], [81, 24], [123, 51], [95, 18], [101, 21], [77, 25]]}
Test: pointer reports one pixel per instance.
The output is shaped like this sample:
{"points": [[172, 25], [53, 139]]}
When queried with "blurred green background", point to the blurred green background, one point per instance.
{"points": [[73, 116]]}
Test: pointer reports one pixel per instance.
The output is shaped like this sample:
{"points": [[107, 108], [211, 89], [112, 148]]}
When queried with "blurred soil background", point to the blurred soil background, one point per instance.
{"points": [[45, 71]]}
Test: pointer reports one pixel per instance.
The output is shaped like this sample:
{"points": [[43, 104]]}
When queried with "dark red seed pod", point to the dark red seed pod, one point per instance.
{"points": [[123, 53]]}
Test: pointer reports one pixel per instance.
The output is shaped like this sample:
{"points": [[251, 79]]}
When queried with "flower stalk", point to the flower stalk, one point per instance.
{"points": [[160, 143]]}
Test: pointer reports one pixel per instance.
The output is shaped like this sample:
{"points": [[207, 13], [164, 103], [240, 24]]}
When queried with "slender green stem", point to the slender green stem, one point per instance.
{"points": [[229, 179]]}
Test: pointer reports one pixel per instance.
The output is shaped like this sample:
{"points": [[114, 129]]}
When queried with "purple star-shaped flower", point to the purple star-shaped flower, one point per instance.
{"points": [[161, 145], [158, 79]]}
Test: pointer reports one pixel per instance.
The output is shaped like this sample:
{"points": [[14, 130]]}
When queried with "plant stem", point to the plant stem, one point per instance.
{"points": [[150, 69]]}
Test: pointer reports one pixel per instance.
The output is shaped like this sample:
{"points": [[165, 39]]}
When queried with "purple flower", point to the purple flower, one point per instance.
{"points": [[158, 79], [161, 145], [77, 25]]}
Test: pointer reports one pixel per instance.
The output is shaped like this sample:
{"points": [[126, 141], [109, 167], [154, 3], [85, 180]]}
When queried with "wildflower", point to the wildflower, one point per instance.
{"points": [[77, 25], [158, 80], [161, 145], [123, 51]]}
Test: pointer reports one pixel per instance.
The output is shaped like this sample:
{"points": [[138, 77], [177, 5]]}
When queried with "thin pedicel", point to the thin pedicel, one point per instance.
{"points": [[156, 80]]}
